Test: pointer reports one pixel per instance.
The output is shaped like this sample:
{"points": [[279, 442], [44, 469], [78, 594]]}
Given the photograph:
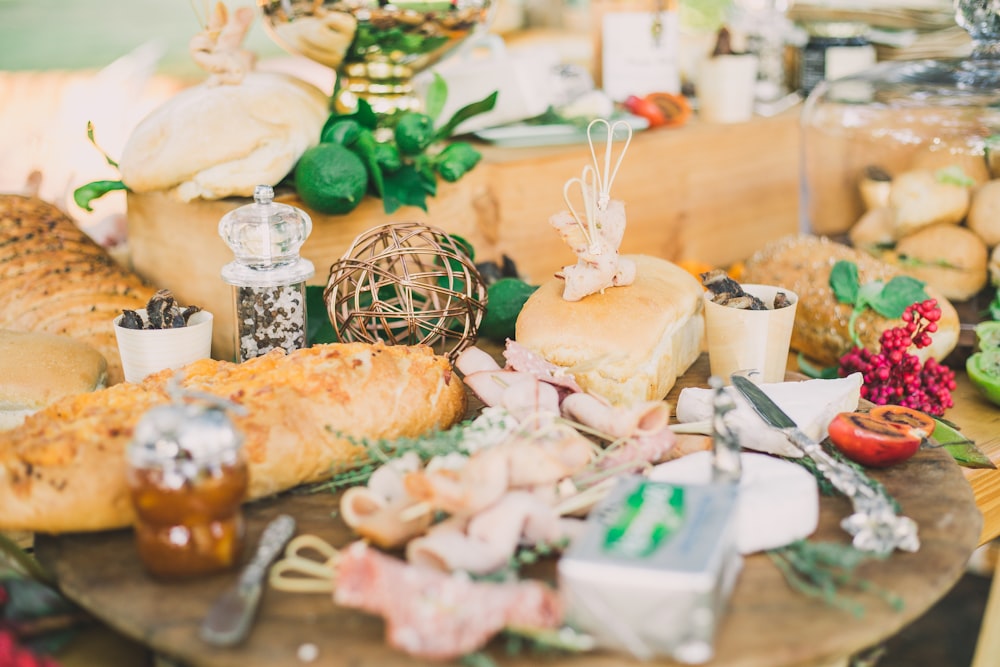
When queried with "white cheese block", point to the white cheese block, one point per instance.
{"points": [[778, 500], [811, 404]]}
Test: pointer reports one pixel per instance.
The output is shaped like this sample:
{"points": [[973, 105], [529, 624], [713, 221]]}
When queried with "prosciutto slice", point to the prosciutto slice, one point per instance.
{"points": [[426, 611]]}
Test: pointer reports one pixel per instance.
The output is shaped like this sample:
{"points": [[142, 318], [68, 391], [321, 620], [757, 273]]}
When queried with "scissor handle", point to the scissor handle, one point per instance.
{"points": [[297, 573]]}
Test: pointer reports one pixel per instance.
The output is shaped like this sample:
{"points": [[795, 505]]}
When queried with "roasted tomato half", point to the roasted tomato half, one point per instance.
{"points": [[918, 423], [872, 441]]}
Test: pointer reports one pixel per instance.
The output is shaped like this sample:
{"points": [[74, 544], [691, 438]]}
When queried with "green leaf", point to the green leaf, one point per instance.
{"points": [[366, 148], [90, 135], [343, 130], [88, 192], [897, 295], [437, 95], [953, 175], [844, 281], [965, 452], [456, 160], [465, 113], [319, 329], [868, 294], [405, 187], [809, 370]]}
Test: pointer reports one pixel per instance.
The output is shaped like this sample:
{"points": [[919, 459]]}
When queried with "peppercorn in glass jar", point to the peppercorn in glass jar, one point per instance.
{"points": [[268, 275]]}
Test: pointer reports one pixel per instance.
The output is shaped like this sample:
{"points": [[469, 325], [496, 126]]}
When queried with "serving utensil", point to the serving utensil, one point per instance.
{"points": [[874, 525], [228, 621]]}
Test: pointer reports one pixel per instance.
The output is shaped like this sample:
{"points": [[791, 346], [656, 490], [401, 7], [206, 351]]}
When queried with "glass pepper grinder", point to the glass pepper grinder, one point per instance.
{"points": [[268, 275]]}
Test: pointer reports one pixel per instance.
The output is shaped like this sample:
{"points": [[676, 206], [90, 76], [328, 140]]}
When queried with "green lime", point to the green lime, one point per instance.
{"points": [[988, 335], [331, 179], [414, 133], [504, 300]]}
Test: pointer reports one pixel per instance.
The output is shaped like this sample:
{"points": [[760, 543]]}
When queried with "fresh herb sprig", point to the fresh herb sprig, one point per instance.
{"points": [[490, 427], [403, 169], [888, 299], [825, 570]]}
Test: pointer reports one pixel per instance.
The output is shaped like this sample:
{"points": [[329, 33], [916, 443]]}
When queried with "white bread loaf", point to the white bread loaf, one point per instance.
{"points": [[627, 344]]}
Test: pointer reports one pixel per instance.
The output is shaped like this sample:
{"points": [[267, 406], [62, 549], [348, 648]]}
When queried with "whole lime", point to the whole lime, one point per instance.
{"points": [[331, 179], [504, 300]]}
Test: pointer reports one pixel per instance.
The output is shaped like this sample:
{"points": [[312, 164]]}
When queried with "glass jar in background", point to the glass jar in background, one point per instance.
{"points": [[187, 479], [897, 117], [834, 49], [268, 275]]}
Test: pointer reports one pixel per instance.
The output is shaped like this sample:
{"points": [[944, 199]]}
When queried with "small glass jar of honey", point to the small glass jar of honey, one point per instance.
{"points": [[188, 478]]}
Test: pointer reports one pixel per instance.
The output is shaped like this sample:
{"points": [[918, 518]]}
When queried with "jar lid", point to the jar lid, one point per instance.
{"points": [[837, 29], [183, 433], [266, 234]]}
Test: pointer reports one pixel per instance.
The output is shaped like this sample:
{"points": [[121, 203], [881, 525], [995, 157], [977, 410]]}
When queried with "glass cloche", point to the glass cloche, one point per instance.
{"points": [[907, 144]]}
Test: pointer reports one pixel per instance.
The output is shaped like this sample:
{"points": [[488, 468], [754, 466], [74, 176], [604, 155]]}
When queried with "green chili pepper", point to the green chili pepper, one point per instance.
{"points": [[455, 160], [414, 133]]}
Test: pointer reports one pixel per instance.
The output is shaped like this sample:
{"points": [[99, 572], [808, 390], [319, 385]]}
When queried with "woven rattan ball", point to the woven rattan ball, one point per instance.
{"points": [[406, 284]]}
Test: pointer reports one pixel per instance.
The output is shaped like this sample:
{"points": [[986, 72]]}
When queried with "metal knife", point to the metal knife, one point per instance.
{"points": [[874, 525], [228, 621]]}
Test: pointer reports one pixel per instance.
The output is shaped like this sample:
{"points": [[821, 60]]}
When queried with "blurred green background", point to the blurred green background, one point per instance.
{"points": [[89, 34]]}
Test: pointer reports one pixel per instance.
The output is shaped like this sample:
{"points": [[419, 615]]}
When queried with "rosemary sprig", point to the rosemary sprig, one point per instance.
{"points": [[824, 569]]}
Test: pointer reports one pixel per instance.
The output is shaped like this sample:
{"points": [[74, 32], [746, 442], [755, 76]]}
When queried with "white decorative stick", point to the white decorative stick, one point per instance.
{"points": [[606, 177], [588, 187]]}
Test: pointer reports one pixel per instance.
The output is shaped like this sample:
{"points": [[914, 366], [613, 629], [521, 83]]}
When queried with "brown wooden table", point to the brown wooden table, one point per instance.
{"points": [[767, 623]]}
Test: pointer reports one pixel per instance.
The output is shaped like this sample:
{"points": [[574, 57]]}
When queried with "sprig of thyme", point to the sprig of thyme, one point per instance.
{"points": [[492, 425], [824, 569]]}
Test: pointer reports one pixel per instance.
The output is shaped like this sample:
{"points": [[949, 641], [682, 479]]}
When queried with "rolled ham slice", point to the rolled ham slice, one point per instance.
{"points": [[426, 611]]}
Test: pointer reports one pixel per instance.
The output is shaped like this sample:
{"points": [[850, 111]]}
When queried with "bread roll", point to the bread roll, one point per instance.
{"points": [[918, 199], [39, 369], [803, 264], [949, 258], [984, 213], [626, 344], [64, 468], [212, 142]]}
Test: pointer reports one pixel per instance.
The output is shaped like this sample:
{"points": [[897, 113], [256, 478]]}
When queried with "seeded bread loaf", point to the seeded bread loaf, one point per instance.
{"points": [[803, 264], [64, 469], [54, 279]]}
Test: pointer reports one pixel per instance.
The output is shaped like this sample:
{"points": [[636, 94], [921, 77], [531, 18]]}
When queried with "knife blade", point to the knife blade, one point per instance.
{"points": [[229, 619], [874, 525]]}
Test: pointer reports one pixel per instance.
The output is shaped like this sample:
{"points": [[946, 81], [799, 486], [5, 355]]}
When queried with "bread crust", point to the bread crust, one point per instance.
{"points": [[55, 279], [627, 343], [803, 264], [64, 469]]}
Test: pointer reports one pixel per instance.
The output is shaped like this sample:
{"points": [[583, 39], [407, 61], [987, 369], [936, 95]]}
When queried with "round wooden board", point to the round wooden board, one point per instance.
{"points": [[767, 624]]}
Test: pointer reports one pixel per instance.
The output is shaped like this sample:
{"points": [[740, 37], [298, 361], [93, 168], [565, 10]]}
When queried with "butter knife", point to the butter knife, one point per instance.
{"points": [[874, 525], [228, 621]]}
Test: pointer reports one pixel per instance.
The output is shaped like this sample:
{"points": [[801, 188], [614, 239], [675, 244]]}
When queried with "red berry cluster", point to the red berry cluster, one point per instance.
{"points": [[894, 376], [14, 655]]}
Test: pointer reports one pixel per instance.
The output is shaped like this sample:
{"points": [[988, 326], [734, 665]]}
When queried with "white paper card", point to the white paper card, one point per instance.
{"points": [[637, 59]]}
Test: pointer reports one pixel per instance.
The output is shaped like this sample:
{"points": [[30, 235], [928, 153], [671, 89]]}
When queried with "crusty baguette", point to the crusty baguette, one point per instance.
{"points": [[803, 264], [628, 343], [55, 279], [64, 469]]}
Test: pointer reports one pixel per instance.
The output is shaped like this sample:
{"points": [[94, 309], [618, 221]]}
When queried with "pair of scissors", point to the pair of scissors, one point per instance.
{"points": [[309, 565]]}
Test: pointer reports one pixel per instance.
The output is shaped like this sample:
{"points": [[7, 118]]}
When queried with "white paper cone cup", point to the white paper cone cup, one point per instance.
{"points": [[741, 340], [146, 351]]}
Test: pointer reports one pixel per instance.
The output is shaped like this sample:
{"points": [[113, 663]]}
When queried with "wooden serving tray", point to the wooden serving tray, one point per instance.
{"points": [[767, 624]]}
